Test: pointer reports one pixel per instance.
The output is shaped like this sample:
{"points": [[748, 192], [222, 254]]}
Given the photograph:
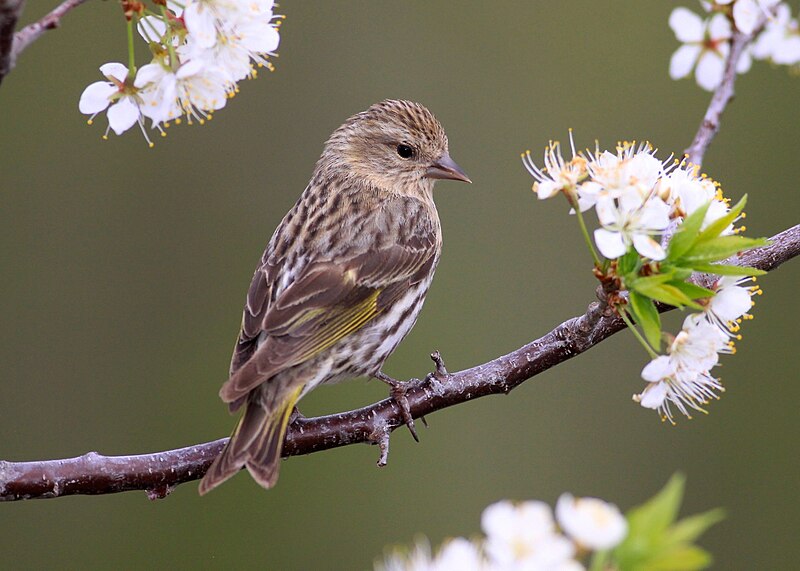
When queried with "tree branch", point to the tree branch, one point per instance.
{"points": [[11, 45], [10, 11], [159, 473], [723, 94]]}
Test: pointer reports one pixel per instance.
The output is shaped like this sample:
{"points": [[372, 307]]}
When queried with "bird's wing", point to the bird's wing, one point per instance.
{"points": [[328, 301]]}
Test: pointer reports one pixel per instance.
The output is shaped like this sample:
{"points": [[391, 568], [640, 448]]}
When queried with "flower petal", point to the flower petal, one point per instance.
{"points": [[745, 62], [115, 70], [745, 15], [122, 115], [655, 215], [709, 71], [719, 28], [683, 60], [648, 247], [200, 22], [687, 25], [731, 303], [95, 97], [607, 212], [546, 189], [658, 369], [610, 244], [653, 395], [150, 73], [789, 51]]}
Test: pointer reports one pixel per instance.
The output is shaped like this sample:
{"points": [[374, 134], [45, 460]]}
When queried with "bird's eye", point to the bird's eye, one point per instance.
{"points": [[405, 151]]}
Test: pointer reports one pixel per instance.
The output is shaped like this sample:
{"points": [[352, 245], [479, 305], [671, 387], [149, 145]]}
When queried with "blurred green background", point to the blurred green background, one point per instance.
{"points": [[125, 269]]}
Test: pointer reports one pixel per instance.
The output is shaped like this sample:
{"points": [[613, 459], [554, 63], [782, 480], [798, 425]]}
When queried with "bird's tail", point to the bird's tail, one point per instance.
{"points": [[256, 441]]}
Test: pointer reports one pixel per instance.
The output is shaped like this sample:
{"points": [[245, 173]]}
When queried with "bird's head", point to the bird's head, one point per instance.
{"points": [[395, 145]]}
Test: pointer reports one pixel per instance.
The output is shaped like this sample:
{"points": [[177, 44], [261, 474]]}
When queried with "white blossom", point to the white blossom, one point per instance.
{"points": [[417, 559], [780, 40], [681, 378], [706, 45], [633, 166], [745, 13], [730, 304], [557, 175], [249, 39], [201, 49], [686, 191], [459, 554], [524, 537], [591, 522], [194, 89], [629, 221], [123, 102]]}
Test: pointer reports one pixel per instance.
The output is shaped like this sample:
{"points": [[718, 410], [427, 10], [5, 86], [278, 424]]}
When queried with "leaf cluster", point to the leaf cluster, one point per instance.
{"points": [[658, 541], [692, 249]]}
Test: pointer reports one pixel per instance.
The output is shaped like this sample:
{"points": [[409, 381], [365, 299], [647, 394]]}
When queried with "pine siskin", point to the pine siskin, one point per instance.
{"points": [[342, 279]]}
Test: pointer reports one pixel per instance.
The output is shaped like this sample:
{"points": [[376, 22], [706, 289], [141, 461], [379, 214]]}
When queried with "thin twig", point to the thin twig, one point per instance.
{"points": [[9, 52], [159, 473], [723, 95]]}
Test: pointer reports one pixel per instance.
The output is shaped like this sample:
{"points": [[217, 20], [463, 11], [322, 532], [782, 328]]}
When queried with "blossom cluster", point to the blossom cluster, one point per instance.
{"points": [[706, 42], [659, 222], [200, 50], [635, 194], [524, 536], [681, 377]]}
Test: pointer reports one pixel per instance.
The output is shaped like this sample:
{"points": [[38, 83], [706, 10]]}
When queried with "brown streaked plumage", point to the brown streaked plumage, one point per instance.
{"points": [[342, 279]]}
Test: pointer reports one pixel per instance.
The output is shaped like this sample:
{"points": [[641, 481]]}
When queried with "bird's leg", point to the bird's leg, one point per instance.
{"points": [[398, 393]]}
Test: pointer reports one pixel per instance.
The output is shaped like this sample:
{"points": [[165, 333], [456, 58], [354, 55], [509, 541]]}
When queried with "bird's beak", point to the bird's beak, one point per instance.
{"points": [[446, 168]]}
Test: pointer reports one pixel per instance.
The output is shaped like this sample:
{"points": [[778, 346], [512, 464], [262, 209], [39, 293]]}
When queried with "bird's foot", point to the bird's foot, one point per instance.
{"points": [[398, 391]]}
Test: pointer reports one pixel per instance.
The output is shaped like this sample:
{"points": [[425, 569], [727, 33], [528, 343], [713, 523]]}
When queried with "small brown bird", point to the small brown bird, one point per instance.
{"points": [[342, 279]]}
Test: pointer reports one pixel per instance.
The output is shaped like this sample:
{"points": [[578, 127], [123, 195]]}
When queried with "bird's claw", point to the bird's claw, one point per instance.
{"points": [[398, 391]]}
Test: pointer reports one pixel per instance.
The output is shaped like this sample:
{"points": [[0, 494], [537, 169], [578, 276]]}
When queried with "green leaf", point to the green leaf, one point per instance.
{"points": [[655, 542], [720, 248], [647, 317], [693, 291], [727, 270], [665, 293], [715, 228], [680, 274], [683, 558], [651, 281], [627, 264], [687, 233], [653, 517], [690, 528]]}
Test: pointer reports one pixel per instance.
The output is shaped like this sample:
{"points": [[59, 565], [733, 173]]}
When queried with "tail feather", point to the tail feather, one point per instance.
{"points": [[256, 442], [265, 452]]}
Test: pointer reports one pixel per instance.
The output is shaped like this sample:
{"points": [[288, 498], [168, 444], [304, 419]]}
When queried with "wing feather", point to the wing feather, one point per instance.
{"points": [[326, 303]]}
